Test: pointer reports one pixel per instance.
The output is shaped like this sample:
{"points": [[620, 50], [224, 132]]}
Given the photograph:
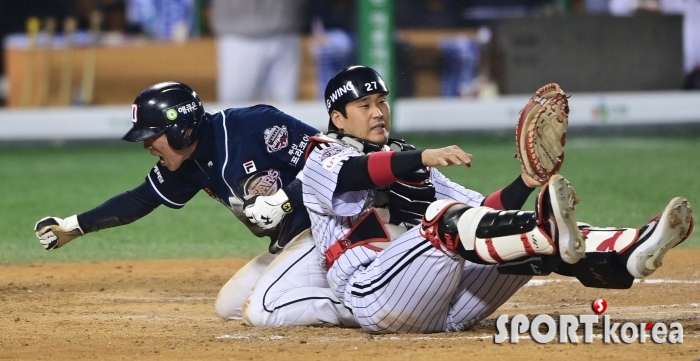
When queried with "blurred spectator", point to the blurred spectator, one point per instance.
{"points": [[460, 66], [13, 19], [114, 16], [428, 14], [596, 6], [690, 10], [163, 19], [334, 42], [332, 39], [332, 50], [484, 12], [258, 48], [463, 73], [629, 7]]}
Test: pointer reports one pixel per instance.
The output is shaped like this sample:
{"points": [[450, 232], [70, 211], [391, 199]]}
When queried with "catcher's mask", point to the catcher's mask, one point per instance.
{"points": [[170, 107], [350, 84]]}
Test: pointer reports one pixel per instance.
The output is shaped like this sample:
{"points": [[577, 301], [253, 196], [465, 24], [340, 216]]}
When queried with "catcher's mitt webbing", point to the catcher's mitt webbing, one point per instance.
{"points": [[541, 132]]}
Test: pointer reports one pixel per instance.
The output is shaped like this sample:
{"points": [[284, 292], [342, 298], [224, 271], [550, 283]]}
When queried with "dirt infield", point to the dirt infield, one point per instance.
{"points": [[164, 310]]}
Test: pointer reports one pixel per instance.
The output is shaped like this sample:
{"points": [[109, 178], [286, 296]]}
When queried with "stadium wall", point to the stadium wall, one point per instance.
{"points": [[410, 115]]}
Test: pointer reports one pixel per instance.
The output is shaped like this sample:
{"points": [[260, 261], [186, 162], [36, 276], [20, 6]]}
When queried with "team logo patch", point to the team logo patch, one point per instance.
{"points": [[134, 110], [329, 152], [185, 108], [331, 156], [249, 167], [171, 114], [276, 138], [264, 183], [286, 207]]}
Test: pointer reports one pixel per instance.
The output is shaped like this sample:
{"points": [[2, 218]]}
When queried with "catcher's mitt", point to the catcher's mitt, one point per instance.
{"points": [[541, 132]]}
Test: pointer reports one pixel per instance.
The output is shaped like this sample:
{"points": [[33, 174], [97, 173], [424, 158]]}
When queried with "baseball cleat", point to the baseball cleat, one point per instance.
{"points": [[664, 232], [540, 135], [562, 198]]}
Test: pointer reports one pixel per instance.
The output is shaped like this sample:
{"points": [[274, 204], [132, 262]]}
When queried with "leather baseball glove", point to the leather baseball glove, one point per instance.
{"points": [[541, 132]]}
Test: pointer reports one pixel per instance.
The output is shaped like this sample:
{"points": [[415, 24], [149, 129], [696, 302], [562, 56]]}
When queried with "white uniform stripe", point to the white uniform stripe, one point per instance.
{"points": [[161, 194], [388, 275], [417, 296], [494, 301], [223, 168], [481, 292], [437, 300]]}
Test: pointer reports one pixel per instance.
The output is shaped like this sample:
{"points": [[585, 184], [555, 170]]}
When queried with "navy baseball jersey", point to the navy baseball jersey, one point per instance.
{"points": [[242, 152]]}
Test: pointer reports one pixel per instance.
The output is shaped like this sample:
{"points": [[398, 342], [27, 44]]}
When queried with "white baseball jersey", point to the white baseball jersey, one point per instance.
{"points": [[410, 286]]}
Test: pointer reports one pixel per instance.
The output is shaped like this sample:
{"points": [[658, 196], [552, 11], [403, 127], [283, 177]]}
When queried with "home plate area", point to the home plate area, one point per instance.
{"points": [[165, 310]]}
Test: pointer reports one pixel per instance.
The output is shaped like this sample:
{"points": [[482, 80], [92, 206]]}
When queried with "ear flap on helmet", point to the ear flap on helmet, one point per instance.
{"points": [[183, 133]]}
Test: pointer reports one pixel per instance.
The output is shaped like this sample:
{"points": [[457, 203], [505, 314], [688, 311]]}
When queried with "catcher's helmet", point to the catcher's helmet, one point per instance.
{"points": [[350, 84], [170, 107]]}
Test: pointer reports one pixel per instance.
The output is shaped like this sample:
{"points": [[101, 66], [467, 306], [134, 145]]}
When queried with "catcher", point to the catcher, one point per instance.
{"points": [[466, 254]]}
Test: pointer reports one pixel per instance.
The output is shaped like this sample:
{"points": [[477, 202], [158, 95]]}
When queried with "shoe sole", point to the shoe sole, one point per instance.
{"points": [[572, 246], [671, 229]]}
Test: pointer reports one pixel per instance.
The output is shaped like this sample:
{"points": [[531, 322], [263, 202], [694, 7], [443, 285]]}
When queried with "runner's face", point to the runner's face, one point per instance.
{"points": [[169, 157], [368, 118]]}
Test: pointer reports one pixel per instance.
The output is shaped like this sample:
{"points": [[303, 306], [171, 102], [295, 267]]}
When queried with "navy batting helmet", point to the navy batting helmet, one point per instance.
{"points": [[170, 107], [350, 84]]}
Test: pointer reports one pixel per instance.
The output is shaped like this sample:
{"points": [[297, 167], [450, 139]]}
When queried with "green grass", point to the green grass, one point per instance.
{"points": [[621, 181]]}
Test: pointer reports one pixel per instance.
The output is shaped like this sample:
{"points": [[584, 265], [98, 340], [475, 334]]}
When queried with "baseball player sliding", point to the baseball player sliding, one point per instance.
{"points": [[407, 250], [234, 155]]}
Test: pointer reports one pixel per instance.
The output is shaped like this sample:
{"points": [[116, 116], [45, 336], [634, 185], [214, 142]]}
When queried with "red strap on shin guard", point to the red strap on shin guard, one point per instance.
{"points": [[527, 245], [492, 251]]}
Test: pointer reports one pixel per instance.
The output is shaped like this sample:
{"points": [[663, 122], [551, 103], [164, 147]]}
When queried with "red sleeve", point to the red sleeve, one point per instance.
{"points": [[494, 201], [379, 166]]}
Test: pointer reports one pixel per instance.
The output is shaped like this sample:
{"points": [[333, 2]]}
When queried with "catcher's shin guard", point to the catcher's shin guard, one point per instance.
{"points": [[496, 237], [541, 132], [615, 256], [483, 235]]}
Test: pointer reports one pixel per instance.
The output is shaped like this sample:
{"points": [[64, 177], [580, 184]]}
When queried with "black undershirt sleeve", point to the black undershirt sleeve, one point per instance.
{"points": [[514, 195], [406, 162], [354, 173], [119, 210]]}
